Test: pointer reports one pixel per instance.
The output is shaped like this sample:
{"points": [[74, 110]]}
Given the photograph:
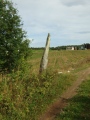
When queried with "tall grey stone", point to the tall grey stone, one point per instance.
{"points": [[44, 60]]}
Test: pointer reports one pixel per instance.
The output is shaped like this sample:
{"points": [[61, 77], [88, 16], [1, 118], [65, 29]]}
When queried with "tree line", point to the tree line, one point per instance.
{"points": [[77, 47]]}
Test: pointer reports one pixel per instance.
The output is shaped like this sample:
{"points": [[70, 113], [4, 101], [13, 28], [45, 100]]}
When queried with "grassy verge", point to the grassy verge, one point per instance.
{"points": [[79, 106], [27, 99]]}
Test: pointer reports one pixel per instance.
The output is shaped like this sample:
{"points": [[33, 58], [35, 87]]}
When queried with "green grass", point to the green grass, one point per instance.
{"points": [[79, 106], [26, 95], [28, 99]]}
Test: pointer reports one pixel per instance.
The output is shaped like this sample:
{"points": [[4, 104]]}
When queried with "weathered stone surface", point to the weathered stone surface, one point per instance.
{"points": [[44, 60]]}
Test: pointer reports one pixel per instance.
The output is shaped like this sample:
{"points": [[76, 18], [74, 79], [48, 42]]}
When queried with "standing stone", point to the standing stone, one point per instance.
{"points": [[44, 60]]}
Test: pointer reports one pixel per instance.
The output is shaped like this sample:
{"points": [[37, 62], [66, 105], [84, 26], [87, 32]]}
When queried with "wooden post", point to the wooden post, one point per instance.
{"points": [[44, 60]]}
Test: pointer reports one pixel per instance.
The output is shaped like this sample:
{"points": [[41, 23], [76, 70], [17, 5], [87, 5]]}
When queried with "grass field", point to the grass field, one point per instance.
{"points": [[25, 96], [62, 60]]}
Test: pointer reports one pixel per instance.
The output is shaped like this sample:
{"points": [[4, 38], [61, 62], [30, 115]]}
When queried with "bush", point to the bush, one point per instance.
{"points": [[14, 46]]}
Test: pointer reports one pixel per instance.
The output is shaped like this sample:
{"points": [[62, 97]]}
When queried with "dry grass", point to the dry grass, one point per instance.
{"points": [[61, 60]]}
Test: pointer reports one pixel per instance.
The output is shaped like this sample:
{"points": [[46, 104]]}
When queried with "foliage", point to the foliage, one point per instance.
{"points": [[25, 96], [14, 47]]}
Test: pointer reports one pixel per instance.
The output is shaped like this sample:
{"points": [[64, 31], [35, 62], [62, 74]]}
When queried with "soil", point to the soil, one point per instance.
{"points": [[57, 107]]}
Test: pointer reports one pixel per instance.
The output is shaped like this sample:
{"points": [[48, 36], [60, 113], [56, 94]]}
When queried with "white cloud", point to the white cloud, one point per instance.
{"points": [[64, 19], [75, 2]]}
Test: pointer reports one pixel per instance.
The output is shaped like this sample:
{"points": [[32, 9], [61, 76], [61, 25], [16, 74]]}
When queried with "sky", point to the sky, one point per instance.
{"points": [[67, 21]]}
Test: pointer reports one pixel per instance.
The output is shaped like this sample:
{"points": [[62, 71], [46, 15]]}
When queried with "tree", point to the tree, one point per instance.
{"points": [[13, 43]]}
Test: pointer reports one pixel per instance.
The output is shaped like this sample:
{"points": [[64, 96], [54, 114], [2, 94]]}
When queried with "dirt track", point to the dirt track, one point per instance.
{"points": [[56, 107]]}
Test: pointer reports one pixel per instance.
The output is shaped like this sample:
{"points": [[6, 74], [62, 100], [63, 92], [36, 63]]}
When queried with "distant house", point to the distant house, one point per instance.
{"points": [[70, 48], [82, 47]]}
